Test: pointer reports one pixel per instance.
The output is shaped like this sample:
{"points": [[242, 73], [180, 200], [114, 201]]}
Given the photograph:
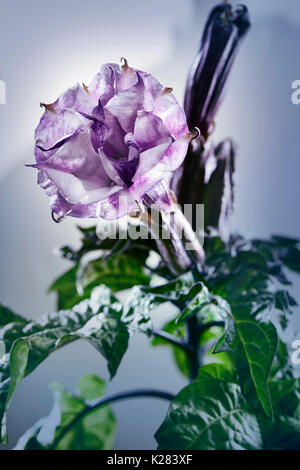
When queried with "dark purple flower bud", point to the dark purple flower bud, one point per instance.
{"points": [[222, 36]]}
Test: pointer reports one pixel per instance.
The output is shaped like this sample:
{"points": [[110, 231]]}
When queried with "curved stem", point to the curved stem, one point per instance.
{"points": [[191, 243], [168, 243], [171, 339], [98, 403]]}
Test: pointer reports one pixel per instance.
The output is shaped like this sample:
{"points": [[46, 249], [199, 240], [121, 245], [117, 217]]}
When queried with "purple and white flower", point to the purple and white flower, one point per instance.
{"points": [[100, 149]]}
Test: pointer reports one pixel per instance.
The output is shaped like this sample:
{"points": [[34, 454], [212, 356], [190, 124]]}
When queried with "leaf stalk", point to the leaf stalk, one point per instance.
{"points": [[98, 403]]}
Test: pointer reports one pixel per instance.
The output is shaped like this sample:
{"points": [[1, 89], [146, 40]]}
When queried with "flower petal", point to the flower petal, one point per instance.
{"points": [[150, 158], [149, 130], [110, 169], [103, 85], [75, 190], [125, 104], [118, 205], [67, 184], [126, 78], [126, 169], [77, 99], [170, 161], [166, 106], [53, 127], [77, 154], [172, 115], [57, 203], [114, 140], [60, 206], [77, 171]]}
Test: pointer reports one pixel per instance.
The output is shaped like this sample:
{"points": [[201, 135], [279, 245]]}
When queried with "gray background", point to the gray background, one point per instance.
{"points": [[46, 46]]}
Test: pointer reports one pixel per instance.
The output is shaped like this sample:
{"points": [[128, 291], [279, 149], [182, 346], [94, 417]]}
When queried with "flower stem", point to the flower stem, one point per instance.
{"points": [[98, 403], [177, 242], [184, 229]]}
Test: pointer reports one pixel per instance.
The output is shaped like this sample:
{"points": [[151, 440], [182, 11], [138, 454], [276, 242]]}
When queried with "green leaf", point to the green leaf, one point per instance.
{"points": [[91, 242], [94, 431], [283, 241], [17, 365], [203, 299], [117, 263], [175, 291], [207, 342], [190, 296], [91, 386], [282, 434], [247, 272], [281, 249], [118, 273], [284, 302], [7, 316], [2, 350], [210, 414], [143, 299], [285, 396], [254, 345], [199, 297], [258, 343], [137, 308], [28, 343], [291, 258], [282, 367], [65, 288]]}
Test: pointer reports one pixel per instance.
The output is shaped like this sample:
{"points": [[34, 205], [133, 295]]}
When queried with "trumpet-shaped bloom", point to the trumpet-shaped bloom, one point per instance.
{"points": [[100, 149]]}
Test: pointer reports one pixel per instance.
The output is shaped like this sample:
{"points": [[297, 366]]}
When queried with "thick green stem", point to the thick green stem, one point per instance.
{"points": [[193, 340], [195, 329]]}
